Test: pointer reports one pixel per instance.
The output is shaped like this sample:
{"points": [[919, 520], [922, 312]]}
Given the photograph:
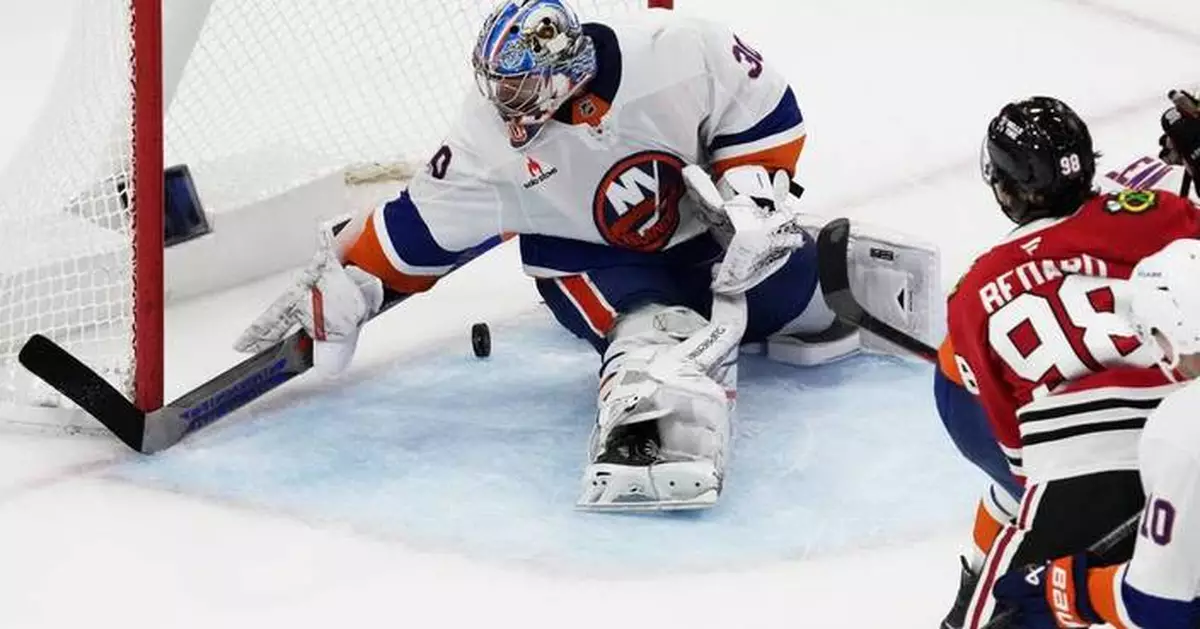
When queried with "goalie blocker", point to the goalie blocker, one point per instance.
{"points": [[884, 282]]}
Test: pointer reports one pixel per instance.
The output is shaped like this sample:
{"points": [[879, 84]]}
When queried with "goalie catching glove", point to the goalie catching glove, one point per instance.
{"points": [[330, 301], [748, 213]]}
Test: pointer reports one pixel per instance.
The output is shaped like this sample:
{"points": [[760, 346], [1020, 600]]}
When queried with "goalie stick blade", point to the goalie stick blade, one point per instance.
{"points": [[833, 245], [83, 386], [229, 391]]}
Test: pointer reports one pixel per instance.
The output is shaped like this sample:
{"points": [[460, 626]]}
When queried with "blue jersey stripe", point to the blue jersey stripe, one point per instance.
{"points": [[413, 241], [786, 115], [574, 256], [1152, 611]]}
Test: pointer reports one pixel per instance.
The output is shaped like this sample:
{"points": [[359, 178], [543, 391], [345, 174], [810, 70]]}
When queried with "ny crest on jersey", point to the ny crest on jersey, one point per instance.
{"points": [[636, 205]]}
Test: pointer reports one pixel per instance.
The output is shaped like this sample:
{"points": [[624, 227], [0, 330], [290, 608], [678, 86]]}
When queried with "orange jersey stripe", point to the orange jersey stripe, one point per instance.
{"points": [[367, 254], [782, 157], [987, 529], [947, 363], [1103, 586], [598, 314]]}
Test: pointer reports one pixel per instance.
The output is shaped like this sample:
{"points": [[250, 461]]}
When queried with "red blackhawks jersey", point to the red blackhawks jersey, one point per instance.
{"points": [[1041, 334]]}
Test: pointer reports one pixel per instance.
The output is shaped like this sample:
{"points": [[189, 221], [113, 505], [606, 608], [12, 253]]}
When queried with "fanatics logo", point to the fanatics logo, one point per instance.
{"points": [[1032, 245], [537, 172]]}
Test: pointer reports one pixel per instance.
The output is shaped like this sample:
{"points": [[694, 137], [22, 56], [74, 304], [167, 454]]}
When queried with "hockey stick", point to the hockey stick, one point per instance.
{"points": [[149, 432], [162, 428], [1003, 618], [833, 268]]}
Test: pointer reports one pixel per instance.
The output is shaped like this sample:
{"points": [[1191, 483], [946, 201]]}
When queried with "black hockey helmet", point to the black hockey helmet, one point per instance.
{"points": [[1038, 159]]}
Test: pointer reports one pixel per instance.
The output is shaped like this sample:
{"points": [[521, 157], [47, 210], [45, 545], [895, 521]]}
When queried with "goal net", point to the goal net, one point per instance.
{"points": [[257, 97]]}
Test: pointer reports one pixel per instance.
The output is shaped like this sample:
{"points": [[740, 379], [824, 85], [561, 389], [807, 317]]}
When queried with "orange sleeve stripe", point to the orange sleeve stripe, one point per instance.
{"points": [[782, 157], [594, 310], [947, 363], [987, 529], [1103, 584], [367, 254]]}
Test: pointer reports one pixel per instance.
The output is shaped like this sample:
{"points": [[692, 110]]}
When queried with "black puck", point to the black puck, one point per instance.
{"points": [[481, 340]]}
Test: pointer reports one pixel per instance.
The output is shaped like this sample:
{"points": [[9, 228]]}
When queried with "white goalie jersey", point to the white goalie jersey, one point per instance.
{"points": [[606, 171]]}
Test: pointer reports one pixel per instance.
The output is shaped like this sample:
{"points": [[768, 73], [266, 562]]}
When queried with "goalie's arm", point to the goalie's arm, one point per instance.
{"points": [[396, 244], [754, 118], [447, 216]]}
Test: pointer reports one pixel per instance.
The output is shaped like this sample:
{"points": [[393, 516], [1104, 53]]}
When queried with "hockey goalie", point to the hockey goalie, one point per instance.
{"points": [[585, 140]]}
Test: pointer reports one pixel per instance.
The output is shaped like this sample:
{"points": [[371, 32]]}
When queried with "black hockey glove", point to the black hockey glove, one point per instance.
{"points": [[1180, 142]]}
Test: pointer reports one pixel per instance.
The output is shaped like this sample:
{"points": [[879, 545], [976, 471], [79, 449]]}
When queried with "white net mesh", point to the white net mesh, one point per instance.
{"points": [[263, 96], [281, 91], [66, 258]]}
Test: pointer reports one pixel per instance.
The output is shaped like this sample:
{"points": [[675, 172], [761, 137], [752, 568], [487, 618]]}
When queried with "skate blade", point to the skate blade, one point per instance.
{"points": [[704, 501]]}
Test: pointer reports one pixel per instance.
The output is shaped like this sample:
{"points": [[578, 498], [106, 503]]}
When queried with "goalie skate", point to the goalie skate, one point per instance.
{"points": [[633, 474], [667, 486]]}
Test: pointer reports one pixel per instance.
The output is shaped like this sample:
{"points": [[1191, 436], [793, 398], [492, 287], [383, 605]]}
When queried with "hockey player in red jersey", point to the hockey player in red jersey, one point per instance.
{"points": [[1158, 588], [1040, 336]]}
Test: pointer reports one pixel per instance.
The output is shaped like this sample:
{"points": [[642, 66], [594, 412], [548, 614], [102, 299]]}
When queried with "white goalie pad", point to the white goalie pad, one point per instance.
{"points": [[897, 278], [663, 422]]}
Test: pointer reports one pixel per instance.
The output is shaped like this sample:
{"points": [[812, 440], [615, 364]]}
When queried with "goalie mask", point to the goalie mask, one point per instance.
{"points": [[531, 57]]}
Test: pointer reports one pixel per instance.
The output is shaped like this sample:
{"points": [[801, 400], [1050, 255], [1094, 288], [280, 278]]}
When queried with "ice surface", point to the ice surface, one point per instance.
{"points": [[499, 443]]}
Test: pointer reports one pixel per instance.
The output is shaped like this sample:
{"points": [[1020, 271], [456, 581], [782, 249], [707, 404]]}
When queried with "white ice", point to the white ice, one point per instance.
{"points": [[428, 488]]}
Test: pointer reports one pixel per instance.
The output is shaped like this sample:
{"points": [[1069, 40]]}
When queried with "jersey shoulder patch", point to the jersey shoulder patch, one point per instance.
{"points": [[1131, 201]]}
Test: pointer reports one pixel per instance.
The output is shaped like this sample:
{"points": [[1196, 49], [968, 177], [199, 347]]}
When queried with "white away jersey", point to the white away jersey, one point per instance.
{"points": [[606, 171]]}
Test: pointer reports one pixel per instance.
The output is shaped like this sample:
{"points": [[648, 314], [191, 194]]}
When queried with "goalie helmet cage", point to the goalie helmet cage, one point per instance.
{"points": [[256, 97]]}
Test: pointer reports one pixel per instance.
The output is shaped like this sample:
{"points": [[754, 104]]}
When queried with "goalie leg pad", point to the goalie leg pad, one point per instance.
{"points": [[663, 420]]}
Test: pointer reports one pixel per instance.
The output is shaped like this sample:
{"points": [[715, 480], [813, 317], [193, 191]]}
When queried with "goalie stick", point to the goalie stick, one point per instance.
{"points": [[150, 432], [159, 429], [153, 431], [833, 267]]}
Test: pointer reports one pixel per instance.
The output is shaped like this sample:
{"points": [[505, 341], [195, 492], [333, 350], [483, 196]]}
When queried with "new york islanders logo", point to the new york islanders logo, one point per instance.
{"points": [[637, 202]]}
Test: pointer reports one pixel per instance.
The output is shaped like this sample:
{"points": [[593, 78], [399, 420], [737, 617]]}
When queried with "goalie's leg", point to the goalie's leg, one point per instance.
{"points": [[789, 316], [666, 394]]}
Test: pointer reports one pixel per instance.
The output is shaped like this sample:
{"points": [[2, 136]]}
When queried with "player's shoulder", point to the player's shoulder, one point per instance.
{"points": [[1128, 202], [1001, 256], [998, 259], [477, 131], [665, 32], [1174, 421]]}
